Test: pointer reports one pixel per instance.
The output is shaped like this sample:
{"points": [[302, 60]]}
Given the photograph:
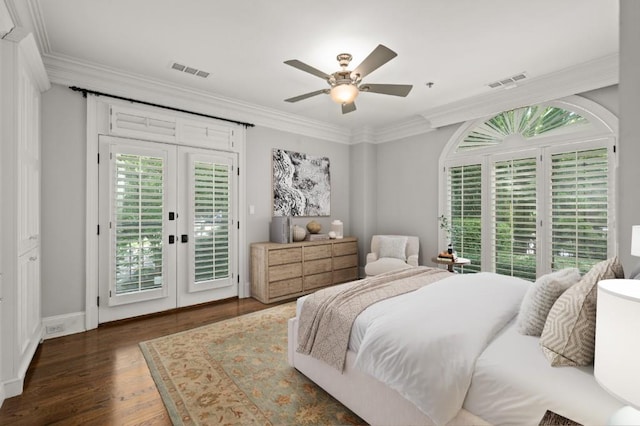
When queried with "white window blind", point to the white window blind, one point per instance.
{"points": [[514, 217], [465, 209], [138, 199], [579, 199], [211, 226]]}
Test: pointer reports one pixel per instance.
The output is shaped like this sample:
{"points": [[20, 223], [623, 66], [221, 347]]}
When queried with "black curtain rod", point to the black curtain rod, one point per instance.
{"points": [[93, 92]]}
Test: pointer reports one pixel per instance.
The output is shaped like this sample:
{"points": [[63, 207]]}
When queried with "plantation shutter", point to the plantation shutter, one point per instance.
{"points": [[465, 203], [137, 219], [211, 221], [514, 217], [579, 207]]}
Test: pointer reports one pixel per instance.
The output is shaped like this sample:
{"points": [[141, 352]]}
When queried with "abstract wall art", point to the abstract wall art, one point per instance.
{"points": [[301, 184]]}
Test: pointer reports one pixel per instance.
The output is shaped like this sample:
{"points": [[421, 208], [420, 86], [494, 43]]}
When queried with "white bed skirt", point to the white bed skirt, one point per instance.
{"points": [[370, 399]]}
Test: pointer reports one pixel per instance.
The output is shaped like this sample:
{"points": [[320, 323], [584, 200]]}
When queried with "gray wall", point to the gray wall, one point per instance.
{"points": [[629, 154], [407, 181], [384, 188], [260, 143], [64, 200], [64, 123]]}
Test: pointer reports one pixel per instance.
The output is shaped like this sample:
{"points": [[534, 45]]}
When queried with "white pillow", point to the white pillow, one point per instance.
{"points": [[392, 247], [540, 297]]}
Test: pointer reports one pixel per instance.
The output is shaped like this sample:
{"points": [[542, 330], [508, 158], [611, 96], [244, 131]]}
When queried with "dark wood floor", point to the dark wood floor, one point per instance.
{"points": [[100, 377]]}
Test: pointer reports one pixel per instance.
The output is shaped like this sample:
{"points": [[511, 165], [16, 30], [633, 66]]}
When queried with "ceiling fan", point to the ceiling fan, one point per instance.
{"points": [[345, 85]]}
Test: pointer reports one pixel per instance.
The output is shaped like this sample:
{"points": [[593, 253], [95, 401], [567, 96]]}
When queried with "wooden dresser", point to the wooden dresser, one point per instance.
{"points": [[286, 271]]}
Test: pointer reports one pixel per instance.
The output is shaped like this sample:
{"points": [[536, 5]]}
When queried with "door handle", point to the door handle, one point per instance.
{"points": [[184, 238], [172, 239]]}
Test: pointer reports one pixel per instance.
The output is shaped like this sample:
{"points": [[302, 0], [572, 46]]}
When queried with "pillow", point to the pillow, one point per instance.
{"points": [[392, 247], [569, 334], [540, 297]]}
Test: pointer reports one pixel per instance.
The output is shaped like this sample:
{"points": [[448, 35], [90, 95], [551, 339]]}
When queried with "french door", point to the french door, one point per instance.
{"points": [[167, 234]]}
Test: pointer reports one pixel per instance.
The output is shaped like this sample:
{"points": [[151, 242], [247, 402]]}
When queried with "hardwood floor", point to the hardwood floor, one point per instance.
{"points": [[100, 377]]}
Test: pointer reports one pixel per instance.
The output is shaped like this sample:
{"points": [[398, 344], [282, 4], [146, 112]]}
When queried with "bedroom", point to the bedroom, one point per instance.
{"points": [[364, 207]]}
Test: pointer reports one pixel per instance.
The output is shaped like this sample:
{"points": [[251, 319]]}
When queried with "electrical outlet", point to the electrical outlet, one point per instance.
{"points": [[53, 329]]}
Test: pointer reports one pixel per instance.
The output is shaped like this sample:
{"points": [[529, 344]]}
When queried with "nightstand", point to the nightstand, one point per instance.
{"points": [[552, 419], [460, 261]]}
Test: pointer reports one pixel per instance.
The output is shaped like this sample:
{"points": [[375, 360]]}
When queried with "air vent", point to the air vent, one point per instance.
{"points": [[508, 82], [189, 70]]}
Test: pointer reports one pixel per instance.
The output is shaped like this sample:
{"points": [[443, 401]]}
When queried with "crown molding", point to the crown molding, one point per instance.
{"points": [[601, 72], [6, 21], [70, 72]]}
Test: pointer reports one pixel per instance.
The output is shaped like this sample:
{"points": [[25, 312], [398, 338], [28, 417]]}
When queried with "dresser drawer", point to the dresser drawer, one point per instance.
{"points": [[344, 275], [283, 272], [317, 266], [317, 280], [285, 255], [317, 252], [341, 249], [285, 287], [342, 262]]}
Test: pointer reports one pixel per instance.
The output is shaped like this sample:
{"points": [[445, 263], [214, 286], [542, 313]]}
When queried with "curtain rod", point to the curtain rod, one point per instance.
{"points": [[93, 92]]}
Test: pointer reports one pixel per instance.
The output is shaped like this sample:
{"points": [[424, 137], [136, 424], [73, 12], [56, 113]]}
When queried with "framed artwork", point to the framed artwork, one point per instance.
{"points": [[301, 184]]}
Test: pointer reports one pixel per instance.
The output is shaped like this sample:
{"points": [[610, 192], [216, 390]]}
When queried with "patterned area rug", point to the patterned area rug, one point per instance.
{"points": [[236, 372]]}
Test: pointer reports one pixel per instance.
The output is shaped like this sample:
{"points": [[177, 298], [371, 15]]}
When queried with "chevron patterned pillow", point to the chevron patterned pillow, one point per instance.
{"points": [[568, 337], [540, 297]]}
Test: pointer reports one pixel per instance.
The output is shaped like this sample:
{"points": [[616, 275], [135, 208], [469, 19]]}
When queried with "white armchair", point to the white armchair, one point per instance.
{"points": [[391, 252]]}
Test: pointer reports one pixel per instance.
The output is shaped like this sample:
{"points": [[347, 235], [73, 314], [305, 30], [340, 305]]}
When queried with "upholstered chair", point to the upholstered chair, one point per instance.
{"points": [[391, 252]]}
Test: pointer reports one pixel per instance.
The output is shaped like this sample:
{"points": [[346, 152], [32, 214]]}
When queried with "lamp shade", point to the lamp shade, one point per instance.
{"points": [[344, 93], [635, 240], [617, 354]]}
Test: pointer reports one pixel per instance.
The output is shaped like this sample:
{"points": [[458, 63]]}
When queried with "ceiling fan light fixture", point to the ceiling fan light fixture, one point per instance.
{"points": [[344, 93]]}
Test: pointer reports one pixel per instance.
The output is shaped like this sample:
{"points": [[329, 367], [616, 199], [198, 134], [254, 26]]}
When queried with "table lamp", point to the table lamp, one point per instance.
{"points": [[617, 353]]}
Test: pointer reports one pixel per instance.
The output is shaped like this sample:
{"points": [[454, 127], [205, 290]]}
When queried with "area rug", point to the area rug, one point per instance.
{"points": [[235, 372]]}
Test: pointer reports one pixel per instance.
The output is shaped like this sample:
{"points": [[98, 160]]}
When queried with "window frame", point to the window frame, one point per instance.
{"points": [[602, 131]]}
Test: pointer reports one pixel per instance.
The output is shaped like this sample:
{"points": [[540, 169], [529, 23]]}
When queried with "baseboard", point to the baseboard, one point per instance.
{"points": [[62, 325]]}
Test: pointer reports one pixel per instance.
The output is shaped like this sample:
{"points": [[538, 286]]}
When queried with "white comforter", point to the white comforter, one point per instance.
{"points": [[427, 349]]}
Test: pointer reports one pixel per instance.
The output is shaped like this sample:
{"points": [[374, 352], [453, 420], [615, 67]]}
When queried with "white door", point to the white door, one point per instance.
{"points": [[207, 226], [162, 234]]}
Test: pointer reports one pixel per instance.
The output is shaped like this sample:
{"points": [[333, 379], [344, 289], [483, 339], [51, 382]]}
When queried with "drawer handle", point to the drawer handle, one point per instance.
{"points": [[33, 237], [32, 258]]}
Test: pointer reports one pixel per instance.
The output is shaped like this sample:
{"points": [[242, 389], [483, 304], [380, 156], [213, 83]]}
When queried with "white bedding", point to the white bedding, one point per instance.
{"points": [[513, 383], [429, 365]]}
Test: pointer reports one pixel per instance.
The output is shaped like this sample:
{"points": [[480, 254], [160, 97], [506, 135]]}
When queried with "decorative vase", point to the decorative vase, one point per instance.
{"points": [[314, 227], [337, 227], [299, 233]]}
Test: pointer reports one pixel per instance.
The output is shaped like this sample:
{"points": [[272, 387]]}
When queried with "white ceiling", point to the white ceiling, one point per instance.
{"points": [[459, 45]]}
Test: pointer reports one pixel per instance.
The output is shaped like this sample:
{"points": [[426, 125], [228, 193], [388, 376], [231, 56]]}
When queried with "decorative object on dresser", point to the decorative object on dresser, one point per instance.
{"points": [[280, 230], [301, 184], [299, 233], [285, 271], [617, 351], [314, 227], [337, 228], [391, 252]]}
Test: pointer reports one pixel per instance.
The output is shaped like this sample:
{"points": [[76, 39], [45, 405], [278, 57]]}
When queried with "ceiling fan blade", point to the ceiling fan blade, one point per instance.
{"points": [[347, 108], [307, 68], [380, 56], [387, 89], [306, 95]]}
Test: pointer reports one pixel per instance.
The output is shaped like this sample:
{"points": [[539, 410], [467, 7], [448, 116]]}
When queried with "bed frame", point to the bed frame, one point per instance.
{"points": [[369, 398]]}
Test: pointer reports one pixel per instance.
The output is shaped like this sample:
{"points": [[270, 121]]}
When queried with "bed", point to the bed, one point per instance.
{"points": [[473, 367]]}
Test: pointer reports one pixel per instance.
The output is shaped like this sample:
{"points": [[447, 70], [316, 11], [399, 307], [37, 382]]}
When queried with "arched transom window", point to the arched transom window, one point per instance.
{"points": [[531, 190]]}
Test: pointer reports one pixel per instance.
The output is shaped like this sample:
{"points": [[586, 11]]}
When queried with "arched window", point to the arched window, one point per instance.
{"points": [[532, 190]]}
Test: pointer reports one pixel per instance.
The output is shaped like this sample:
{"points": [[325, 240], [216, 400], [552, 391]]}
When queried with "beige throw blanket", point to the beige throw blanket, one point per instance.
{"points": [[327, 315]]}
